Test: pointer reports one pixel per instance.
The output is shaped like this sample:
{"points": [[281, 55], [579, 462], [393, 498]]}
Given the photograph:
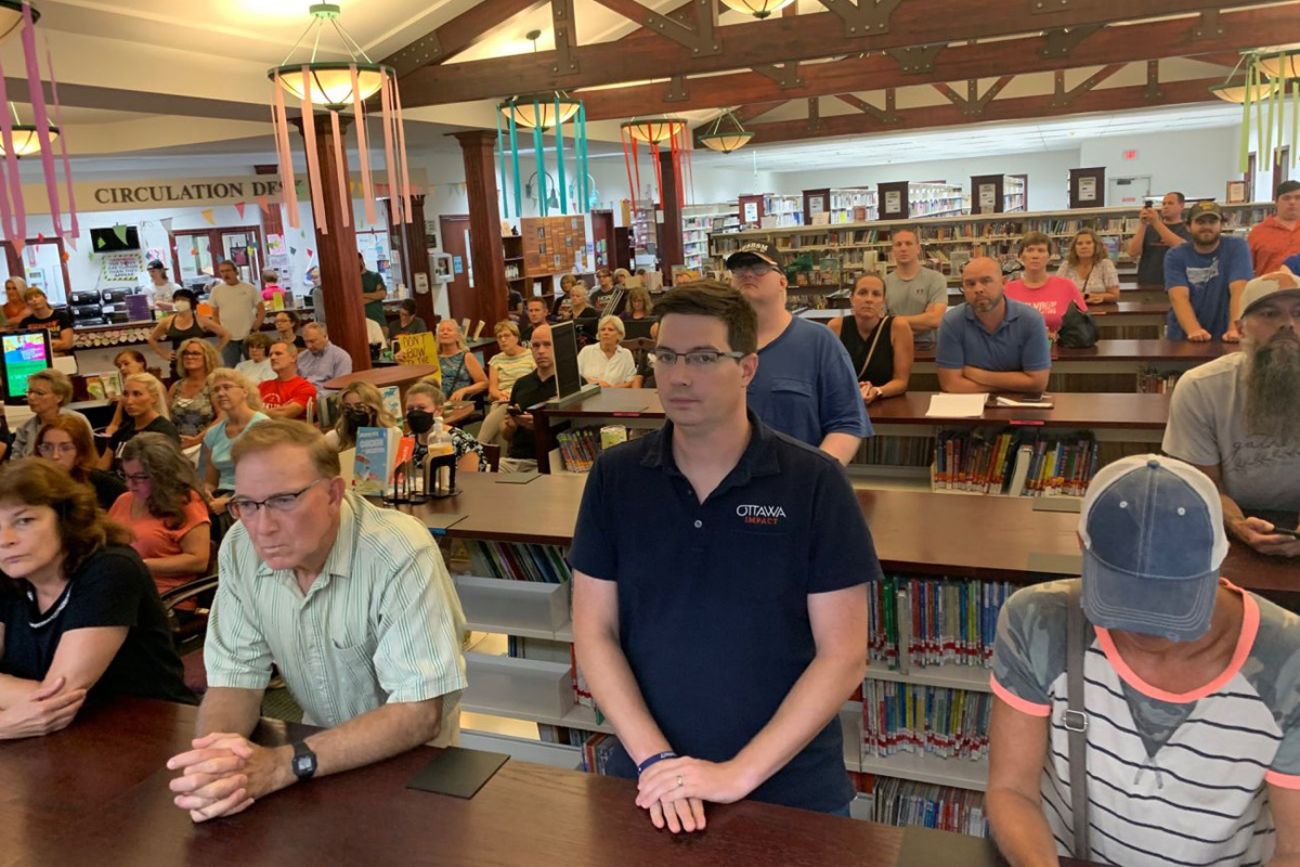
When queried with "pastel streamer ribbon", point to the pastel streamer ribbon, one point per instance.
{"points": [[313, 159], [341, 172], [280, 118], [15, 225], [367, 182], [63, 149], [401, 150], [559, 152], [36, 93], [394, 200]]}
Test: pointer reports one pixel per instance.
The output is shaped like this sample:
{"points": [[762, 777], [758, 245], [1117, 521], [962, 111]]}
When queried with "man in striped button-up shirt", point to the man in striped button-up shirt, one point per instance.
{"points": [[353, 604]]}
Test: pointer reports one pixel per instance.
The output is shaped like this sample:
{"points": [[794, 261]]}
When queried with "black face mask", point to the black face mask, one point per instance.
{"points": [[355, 418], [420, 421]]}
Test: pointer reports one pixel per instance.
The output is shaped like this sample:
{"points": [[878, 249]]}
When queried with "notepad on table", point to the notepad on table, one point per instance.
{"points": [[956, 406], [1026, 401]]}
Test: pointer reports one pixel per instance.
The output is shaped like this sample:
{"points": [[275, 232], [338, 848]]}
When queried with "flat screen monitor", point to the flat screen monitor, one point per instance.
{"points": [[565, 343], [639, 328], [114, 240], [25, 353]]}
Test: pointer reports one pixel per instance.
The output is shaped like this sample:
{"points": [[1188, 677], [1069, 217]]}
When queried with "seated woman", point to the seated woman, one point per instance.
{"points": [[407, 321], [189, 403], [1088, 264], [240, 405], [424, 402], [639, 305], [504, 370], [15, 308], [1048, 294], [80, 614], [257, 367], [286, 329], [879, 345], [605, 362], [127, 362], [69, 444], [186, 323], [361, 405], [462, 374], [44, 317], [145, 406], [48, 394], [164, 510]]}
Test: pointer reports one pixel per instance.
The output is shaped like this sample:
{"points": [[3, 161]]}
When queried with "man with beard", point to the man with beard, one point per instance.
{"points": [[1237, 419], [992, 342], [1204, 280]]}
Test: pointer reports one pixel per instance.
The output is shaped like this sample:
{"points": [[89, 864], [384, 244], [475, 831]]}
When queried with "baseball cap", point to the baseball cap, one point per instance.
{"points": [[1204, 208], [754, 251], [1153, 541], [1263, 288], [156, 265]]}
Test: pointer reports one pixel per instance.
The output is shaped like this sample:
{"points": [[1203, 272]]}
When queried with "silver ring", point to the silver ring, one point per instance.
{"points": [[679, 781]]}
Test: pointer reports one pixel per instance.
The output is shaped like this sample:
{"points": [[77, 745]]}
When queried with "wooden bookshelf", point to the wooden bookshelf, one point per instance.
{"points": [[699, 223], [998, 194]]}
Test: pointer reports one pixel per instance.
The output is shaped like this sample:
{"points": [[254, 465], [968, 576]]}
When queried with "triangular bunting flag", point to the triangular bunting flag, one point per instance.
{"points": [[264, 204], [65, 255], [209, 216], [72, 242], [40, 237], [310, 253], [239, 209], [167, 225], [293, 251], [120, 231]]}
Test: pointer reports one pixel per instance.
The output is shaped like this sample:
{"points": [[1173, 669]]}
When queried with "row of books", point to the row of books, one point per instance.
{"points": [[1016, 463], [1152, 381], [596, 751], [952, 621], [579, 448], [924, 720], [518, 561], [103, 386], [896, 451], [906, 802]]}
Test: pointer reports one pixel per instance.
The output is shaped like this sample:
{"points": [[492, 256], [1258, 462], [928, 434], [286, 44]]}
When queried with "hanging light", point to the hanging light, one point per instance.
{"points": [[757, 8], [538, 110], [26, 141], [654, 129], [1233, 90], [1262, 81], [11, 17], [1281, 65], [726, 135], [331, 82]]}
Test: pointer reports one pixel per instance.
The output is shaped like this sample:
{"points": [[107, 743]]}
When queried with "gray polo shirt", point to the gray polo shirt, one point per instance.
{"points": [[911, 297]]}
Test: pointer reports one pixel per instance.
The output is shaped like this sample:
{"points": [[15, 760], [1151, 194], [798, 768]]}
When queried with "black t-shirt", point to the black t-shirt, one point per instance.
{"points": [[112, 588], [527, 391], [58, 320], [1151, 267], [713, 609], [127, 432], [108, 487], [585, 323]]}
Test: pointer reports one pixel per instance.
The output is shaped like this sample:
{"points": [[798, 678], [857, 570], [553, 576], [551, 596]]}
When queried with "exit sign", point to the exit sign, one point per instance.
{"points": [[1130, 155]]}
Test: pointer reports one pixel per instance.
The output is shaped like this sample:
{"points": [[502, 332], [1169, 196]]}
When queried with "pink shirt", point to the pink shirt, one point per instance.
{"points": [[153, 538], [1051, 299]]}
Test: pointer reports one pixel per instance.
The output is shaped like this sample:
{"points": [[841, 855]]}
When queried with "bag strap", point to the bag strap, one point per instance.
{"points": [[1078, 637], [866, 362]]}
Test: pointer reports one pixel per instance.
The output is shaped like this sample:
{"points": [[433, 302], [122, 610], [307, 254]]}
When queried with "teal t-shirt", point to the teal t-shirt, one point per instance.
{"points": [[372, 282]]}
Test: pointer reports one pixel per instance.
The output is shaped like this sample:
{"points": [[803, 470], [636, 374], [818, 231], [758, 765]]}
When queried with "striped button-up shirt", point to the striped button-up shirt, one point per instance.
{"points": [[381, 623]]}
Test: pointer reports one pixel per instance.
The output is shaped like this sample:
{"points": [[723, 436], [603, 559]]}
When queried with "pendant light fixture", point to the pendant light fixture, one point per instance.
{"points": [[726, 134], [11, 17], [1261, 82], [336, 85], [757, 8], [27, 141], [655, 132]]}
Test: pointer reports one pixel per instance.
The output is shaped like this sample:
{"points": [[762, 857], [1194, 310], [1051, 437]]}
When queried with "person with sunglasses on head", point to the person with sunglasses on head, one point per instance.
{"points": [[723, 650], [351, 602], [144, 403], [805, 385]]}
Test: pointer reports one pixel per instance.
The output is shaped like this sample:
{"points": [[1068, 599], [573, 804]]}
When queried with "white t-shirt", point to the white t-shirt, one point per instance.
{"points": [[1207, 426], [594, 364], [256, 371], [238, 306], [161, 296]]}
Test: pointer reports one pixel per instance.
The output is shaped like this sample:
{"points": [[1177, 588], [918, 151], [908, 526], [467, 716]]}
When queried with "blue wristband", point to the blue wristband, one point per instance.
{"points": [[657, 757]]}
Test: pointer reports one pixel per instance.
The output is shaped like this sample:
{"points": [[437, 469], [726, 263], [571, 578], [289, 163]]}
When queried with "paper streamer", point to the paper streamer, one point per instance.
{"points": [[15, 217], [280, 118], [313, 159], [559, 157], [36, 93], [340, 158], [367, 182], [401, 151], [75, 232], [394, 202]]}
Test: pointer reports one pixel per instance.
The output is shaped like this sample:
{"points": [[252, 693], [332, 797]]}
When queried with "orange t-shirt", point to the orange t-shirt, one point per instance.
{"points": [[1271, 243], [153, 538]]}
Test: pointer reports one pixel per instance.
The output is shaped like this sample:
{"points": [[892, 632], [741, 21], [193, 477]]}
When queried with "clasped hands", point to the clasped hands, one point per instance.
{"points": [[225, 773], [674, 791]]}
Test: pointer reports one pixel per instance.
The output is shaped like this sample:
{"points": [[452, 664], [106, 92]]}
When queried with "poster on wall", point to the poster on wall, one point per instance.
{"points": [[893, 202], [1087, 189], [121, 267], [988, 198], [751, 212]]}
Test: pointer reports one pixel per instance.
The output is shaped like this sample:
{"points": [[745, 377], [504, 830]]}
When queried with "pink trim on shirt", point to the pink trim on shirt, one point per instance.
{"points": [[1246, 640], [1286, 781], [1020, 704]]}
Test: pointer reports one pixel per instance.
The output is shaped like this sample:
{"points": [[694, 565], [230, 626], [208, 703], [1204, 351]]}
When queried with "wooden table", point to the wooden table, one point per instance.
{"points": [[1147, 315], [1128, 412], [97, 793], [400, 375]]}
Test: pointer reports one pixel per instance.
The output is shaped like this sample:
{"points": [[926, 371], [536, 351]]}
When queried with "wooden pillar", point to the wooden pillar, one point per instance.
{"points": [[670, 232], [490, 288], [336, 252], [408, 240]]}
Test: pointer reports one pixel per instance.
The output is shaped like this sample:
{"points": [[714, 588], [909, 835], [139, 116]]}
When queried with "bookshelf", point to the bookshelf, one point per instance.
{"points": [[645, 237], [699, 222], [901, 200], [782, 210], [853, 205], [998, 194]]}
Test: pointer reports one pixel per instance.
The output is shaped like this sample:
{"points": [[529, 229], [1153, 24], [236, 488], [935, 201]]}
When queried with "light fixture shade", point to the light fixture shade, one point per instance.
{"points": [[654, 129], [1282, 65], [757, 8], [1234, 90], [11, 17], [331, 83], [26, 141], [726, 142], [538, 109]]}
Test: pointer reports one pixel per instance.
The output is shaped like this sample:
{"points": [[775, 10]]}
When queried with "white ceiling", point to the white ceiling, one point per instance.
{"points": [[970, 140]]}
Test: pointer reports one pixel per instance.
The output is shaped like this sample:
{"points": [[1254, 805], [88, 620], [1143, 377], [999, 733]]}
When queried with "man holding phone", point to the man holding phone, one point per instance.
{"points": [[528, 391], [1159, 229], [1235, 419]]}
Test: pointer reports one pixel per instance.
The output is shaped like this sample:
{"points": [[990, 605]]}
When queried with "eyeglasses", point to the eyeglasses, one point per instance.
{"points": [[49, 449], [190, 353], [244, 508], [136, 477], [759, 270], [696, 358]]}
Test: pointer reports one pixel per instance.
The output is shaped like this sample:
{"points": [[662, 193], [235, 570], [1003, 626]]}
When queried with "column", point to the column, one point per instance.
{"points": [[408, 240], [670, 231], [490, 290], [336, 251]]}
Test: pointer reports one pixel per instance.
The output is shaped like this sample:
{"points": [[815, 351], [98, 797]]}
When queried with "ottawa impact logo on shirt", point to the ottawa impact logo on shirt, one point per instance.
{"points": [[770, 515]]}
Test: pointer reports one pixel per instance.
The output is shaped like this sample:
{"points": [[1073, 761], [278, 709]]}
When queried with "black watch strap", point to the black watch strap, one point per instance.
{"points": [[304, 761]]}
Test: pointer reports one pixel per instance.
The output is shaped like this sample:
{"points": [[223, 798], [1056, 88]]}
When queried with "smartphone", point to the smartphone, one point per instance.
{"points": [[513, 409], [1282, 531]]}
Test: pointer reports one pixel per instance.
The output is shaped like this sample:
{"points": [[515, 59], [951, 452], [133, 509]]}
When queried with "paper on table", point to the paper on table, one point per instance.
{"points": [[956, 406]]}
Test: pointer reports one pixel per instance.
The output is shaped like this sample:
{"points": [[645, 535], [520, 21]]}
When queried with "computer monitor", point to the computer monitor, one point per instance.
{"points": [[636, 328], [565, 344], [24, 353]]}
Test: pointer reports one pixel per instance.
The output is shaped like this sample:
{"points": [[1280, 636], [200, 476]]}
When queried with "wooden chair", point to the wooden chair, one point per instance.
{"points": [[492, 452], [189, 627]]}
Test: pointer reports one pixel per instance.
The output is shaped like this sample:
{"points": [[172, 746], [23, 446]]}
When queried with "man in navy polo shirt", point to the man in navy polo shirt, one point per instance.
{"points": [[721, 647], [992, 342], [806, 385]]}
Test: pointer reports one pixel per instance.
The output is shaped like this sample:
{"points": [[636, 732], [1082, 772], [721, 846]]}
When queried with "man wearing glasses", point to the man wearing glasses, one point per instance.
{"points": [[722, 647], [351, 602], [805, 385]]}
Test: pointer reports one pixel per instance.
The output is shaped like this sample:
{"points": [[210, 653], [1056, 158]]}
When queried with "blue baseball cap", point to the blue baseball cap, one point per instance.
{"points": [[1153, 541]]}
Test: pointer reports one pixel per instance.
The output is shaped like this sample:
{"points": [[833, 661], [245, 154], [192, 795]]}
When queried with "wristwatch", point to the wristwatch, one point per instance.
{"points": [[304, 761]]}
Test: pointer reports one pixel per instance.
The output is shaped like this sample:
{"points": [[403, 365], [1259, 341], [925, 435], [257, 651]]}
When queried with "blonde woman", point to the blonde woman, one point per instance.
{"points": [[462, 374], [48, 394], [362, 406], [189, 402], [240, 404], [639, 305], [1088, 264], [504, 369], [606, 363], [144, 402], [15, 308]]}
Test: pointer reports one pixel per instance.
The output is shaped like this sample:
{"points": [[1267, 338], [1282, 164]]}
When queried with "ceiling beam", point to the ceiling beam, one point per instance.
{"points": [[746, 113], [1131, 43], [695, 32], [461, 32], [646, 55], [1018, 108]]}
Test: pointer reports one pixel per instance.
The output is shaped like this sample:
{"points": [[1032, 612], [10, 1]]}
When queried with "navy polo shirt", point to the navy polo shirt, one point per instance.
{"points": [[712, 597], [1018, 343]]}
